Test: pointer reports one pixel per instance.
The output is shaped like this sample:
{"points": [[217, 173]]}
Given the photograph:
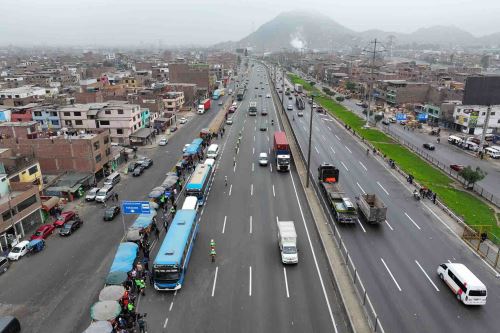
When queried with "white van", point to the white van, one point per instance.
{"points": [[453, 139], [191, 202], [492, 152], [112, 179], [464, 284], [213, 151], [104, 194]]}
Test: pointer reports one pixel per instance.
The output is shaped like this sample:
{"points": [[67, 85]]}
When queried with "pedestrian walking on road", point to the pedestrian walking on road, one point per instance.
{"points": [[434, 198], [116, 196]]}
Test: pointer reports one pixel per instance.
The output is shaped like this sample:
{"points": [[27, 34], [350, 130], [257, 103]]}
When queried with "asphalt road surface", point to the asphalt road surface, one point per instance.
{"points": [[397, 260], [53, 291], [248, 289]]}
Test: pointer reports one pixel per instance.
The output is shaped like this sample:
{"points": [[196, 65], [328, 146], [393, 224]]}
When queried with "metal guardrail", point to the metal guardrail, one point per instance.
{"points": [[443, 167], [361, 292]]}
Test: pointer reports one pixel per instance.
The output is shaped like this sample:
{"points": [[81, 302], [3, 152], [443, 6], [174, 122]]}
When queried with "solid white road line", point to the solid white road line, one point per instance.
{"points": [[359, 222], [337, 137], [314, 256], [390, 273], [390, 227], [416, 225], [250, 282], [332, 149], [316, 149], [224, 225], [251, 189], [251, 226], [363, 166], [215, 280], [348, 149], [428, 278], [361, 188], [383, 188], [230, 189], [286, 283], [344, 165], [274, 193]]}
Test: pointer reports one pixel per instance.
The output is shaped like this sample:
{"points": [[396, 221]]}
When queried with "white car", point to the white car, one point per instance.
{"points": [[183, 120], [229, 121], [91, 194], [18, 251], [289, 107], [185, 147], [268, 95], [163, 141], [235, 104], [263, 160], [220, 103]]}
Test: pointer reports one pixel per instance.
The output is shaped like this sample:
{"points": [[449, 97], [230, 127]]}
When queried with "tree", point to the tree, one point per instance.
{"points": [[378, 117], [350, 85], [312, 83], [328, 91], [472, 176]]}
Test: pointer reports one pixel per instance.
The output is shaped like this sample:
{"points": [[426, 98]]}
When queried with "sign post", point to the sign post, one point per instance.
{"points": [[133, 208]]}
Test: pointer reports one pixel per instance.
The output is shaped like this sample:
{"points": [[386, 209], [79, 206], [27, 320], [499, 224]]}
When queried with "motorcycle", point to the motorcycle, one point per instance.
{"points": [[416, 195]]}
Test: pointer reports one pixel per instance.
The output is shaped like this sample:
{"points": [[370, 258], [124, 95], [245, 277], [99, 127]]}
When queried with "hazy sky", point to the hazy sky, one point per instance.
{"points": [[182, 22]]}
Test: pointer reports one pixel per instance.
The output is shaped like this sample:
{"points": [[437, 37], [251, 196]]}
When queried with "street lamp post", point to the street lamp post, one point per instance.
{"points": [[310, 141]]}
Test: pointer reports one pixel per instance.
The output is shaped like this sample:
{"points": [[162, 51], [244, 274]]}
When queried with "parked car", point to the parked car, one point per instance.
{"points": [[183, 120], [90, 196], [146, 163], [64, 217], [173, 128], [111, 212], [104, 194], [18, 251], [138, 171], [385, 122], [457, 167], [4, 264], [402, 122], [392, 120], [70, 226], [132, 166], [43, 231], [429, 146], [163, 141]]}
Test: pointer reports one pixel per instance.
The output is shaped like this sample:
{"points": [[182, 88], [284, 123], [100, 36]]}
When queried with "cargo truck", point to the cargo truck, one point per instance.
{"points": [[372, 208], [204, 106], [298, 88], [299, 102], [281, 151], [252, 109], [340, 205], [240, 94], [287, 241]]}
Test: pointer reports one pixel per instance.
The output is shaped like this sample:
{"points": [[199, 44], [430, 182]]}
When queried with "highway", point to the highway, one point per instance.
{"points": [[397, 260], [445, 152], [248, 289], [53, 291]]}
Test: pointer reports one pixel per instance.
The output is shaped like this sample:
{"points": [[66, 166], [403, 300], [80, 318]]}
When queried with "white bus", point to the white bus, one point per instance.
{"points": [[464, 284]]}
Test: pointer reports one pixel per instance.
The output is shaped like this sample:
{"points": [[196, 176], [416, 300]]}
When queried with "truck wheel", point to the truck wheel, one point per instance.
{"points": [[441, 276]]}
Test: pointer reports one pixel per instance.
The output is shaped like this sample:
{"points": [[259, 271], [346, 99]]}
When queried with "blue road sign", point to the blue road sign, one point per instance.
{"points": [[136, 207], [400, 116]]}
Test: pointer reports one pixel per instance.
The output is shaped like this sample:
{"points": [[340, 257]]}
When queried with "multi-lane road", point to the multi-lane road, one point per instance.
{"points": [[54, 290], [248, 289], [397, 260]]}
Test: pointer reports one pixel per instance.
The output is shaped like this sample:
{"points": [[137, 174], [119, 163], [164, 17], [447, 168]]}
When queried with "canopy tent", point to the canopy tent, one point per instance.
{"points": [[111, 293], [116, 278], [101, 326], [105, 310], [50, 203], [125, 257]]}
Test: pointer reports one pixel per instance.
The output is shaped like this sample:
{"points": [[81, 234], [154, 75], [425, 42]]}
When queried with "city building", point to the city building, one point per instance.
{"points": [[20, 211], [190, 73], [18, 168], [470, 119], [173, 101], [122, 119], [47, 116]]}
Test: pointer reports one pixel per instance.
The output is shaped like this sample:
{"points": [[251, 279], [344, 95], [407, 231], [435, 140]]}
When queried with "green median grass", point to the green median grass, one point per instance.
{"points": [[467, 206], [306, 85]]}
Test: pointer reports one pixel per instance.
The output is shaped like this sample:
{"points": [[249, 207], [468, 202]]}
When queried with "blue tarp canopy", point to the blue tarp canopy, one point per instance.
{"points": [[125, 257], [141, 222]]}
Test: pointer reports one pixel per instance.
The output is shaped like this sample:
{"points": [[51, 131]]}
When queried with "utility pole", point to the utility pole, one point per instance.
{"points": [[485, 127], [370, 84], [310, 141]]}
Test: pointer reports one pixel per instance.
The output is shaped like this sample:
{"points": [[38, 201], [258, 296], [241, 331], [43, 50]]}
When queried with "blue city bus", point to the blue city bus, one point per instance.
{"points": [[216, 94], [199, 182], [171, 262]]}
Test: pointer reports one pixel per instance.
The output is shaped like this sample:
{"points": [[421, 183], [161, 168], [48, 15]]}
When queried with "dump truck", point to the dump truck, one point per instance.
{"points": [[287, 241], [341, 207], [372, 208]]}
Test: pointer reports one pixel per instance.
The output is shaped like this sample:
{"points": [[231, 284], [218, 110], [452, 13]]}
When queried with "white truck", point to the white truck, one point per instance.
{"points": [[287, 240]]}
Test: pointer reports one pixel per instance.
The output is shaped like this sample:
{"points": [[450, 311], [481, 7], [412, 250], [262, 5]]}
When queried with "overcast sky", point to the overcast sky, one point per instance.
{"points": [[181, 22]]}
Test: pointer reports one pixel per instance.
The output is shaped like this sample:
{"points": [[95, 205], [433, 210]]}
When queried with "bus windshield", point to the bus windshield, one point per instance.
{"points": [[166, 273]]}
